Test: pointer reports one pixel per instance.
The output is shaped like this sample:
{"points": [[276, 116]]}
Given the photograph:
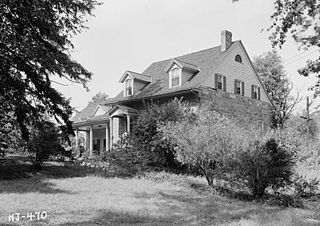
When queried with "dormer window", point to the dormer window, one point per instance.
{"points": [[128, 87], [175, 77]]}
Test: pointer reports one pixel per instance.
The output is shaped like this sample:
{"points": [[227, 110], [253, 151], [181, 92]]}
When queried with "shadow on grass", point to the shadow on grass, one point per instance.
{"points": [[19, 167], [17, 175], [29, 186], [181, 209], [125, 218]]}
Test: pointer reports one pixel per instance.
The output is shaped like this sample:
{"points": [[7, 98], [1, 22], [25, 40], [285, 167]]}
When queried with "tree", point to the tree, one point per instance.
{"points": [[207, 142], [271, 71], [300, 19], [44, 142], [100, 97], [264, 164], [35, 44]]}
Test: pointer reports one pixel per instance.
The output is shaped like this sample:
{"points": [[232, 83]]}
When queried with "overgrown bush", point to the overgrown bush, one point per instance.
{"points": [[146, 145], [44, 142], [304, 187], [208, 141], [264, 164]]}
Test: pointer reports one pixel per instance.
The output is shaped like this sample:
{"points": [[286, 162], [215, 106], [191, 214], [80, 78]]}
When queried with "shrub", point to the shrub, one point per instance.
{"points": [[208, 141], [44, 142], [146, 143], [304, 187], [264, 164]]}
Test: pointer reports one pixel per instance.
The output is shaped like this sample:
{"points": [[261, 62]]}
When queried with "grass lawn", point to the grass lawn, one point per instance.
{"points": [[72, 198]]}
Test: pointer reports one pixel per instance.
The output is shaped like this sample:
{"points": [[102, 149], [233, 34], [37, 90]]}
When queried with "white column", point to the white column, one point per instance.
{"points": [[128, 123], [91, 140], [77, 135], [107, 137], [111, 132]]}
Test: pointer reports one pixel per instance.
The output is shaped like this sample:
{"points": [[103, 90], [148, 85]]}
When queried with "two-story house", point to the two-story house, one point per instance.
{"points": [[223, 74]]}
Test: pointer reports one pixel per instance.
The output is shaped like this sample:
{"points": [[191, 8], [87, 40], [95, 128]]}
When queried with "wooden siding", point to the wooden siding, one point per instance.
{"points": [[235, 70]]}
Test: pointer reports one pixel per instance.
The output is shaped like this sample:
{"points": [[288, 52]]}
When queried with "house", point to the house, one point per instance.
{"points": [[223, 74]]}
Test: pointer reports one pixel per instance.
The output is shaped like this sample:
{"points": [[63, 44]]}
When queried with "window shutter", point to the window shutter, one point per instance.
{"points": [[224, 83], [242, 88], [252, 91], [235, 86], [258, 93], [216, 81]]}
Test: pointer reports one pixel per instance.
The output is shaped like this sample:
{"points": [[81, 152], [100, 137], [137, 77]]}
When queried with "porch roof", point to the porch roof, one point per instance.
{"points": [[95, 119]]}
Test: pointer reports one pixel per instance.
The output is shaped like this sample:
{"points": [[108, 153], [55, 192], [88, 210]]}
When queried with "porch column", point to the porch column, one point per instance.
{"points": [[111, 132], [77, 134], [128, 123], [107, 137], [91, 140]]}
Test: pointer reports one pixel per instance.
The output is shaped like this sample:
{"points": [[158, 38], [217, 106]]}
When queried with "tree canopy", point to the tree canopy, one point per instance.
{"points": [[100, 97], [35, 45], [300, 18], [273, 75]]}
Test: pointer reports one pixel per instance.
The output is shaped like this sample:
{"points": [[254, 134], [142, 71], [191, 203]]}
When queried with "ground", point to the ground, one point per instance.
{"points": [[72, 197]]}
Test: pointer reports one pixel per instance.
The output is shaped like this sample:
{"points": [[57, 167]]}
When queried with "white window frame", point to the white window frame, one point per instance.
{"points": [[255, 92], [179, 71], [239, 85], [126, 87], [220, 80]]}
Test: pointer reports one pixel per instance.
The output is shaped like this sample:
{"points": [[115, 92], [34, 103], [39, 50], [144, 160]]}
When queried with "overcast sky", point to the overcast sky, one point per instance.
{"points": [[131, 34]]}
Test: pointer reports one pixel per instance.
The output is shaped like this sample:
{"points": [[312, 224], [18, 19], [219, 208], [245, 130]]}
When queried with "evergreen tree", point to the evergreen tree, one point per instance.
{"points": [[35, 44]]}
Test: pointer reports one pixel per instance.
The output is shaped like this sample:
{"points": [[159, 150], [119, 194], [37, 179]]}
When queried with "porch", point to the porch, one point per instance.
{"points": [[102, 131]]}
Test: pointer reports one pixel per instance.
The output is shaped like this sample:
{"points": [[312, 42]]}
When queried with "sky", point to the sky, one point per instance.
{"points": [[132, 34]]}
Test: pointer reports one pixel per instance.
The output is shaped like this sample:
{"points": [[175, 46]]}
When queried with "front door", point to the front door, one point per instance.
{"points": [[98, 146]]}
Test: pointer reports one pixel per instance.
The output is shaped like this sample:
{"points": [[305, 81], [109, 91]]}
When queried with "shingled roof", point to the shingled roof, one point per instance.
{"points": [[205, 61], [141, 77]]}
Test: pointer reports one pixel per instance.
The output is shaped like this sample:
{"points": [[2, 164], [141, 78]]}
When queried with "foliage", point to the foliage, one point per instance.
{"points": [[303, 127], [9, 133], [272, 73], [264, 164], [299, 18], [208, 142], [100, 97], [147, 139], [304, 187], [44, 142], [35, 44]]}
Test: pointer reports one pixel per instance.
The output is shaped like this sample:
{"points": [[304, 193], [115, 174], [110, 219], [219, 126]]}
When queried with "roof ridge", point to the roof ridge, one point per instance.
{"points": [[185, 62], [186, 54]]}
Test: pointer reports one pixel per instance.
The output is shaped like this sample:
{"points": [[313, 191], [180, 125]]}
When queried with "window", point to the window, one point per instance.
{"points": [[255, 92], [220, 82], [175, 77], [128, 88], [238, 58], [239, 87]]}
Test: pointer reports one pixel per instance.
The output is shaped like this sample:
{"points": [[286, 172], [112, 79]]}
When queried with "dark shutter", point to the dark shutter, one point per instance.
{"points": [[252, 87], [224, 83], [235, 86], [216, 81], [242, 88], [258, 93]]}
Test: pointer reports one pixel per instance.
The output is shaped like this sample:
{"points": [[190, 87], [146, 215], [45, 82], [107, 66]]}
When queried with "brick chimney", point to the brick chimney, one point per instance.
{"points": [[226, 40]]}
